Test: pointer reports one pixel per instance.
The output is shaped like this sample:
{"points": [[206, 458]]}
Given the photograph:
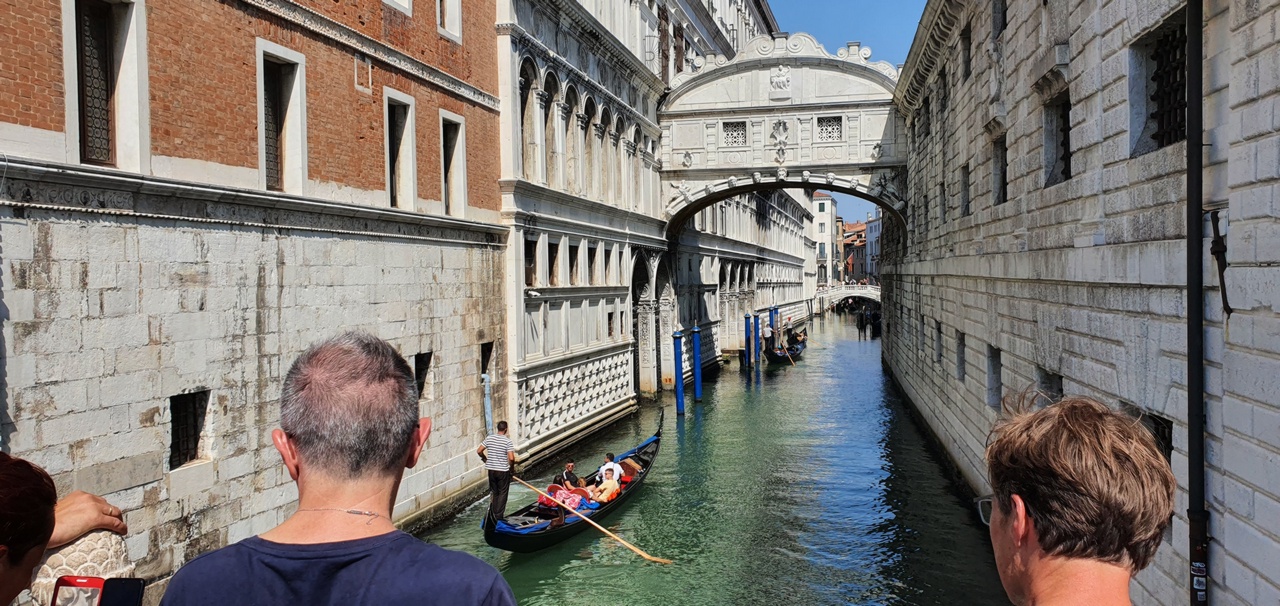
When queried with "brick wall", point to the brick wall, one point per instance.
{"points": [[1085, 279], [31, 63]]}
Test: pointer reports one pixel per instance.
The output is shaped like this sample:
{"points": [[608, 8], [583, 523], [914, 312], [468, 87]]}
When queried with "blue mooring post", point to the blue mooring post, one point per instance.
{"points": [[697, 364], [677, 339], [755, 347], [746, 341]]}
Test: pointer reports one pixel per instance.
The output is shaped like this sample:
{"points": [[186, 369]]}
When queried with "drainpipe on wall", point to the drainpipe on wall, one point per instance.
{"points": [[1197, 514]]}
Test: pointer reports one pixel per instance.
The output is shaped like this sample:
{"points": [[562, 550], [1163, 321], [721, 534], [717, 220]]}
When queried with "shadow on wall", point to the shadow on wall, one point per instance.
{"points": [[7, 425]]}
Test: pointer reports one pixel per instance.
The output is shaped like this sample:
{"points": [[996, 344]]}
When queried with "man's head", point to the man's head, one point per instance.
{"points": [[568, 465], [608, 457], [26, 523], [350, 410], [608, 474], [502, 427], [1075, 480]]}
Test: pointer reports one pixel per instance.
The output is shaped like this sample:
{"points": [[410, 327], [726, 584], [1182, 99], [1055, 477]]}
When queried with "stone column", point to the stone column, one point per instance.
{"points": [[646, 316], [666, 325], [542, 98]]}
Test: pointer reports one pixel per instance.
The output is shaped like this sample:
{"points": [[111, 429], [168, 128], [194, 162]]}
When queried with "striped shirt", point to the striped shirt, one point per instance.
{"points": [[496, 448]]}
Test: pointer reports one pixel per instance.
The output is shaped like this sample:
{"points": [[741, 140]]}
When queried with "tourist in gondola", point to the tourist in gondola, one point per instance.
{"points": [[567, 477], [607, 488], [608, 464]]}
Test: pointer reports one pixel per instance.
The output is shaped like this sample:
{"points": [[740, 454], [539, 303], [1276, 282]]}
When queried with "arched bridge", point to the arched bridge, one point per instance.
{"points": [[836, 294], [782, 114]]}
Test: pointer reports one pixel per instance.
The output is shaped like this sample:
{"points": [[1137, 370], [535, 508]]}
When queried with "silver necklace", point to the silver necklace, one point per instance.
{"points": [[355, 512]]}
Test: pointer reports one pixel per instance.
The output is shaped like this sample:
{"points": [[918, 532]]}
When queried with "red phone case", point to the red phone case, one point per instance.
{"points": [[77, 585]]}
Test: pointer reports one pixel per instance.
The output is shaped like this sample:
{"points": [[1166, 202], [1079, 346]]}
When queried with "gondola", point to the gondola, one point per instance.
{"points": [[779, 355], [535, 526]]}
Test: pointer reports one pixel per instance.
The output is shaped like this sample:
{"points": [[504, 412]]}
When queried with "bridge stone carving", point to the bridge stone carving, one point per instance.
{"points": [[783, 113]]}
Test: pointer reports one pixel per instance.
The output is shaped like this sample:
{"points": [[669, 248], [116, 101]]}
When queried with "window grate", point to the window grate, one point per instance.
{"points": [[964, 191], [966, 52], [831, 128], [1000, 171], [273, 121], [187, 413], [1169, 94], [97, 81], [735, 134], [1064, 140]]}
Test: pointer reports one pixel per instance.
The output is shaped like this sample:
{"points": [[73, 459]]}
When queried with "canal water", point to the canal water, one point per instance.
{"points": [[813, 486]]}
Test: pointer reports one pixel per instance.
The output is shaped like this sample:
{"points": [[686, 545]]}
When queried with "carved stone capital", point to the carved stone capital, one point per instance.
{"points": [[543, 97], [564, 108], [583, 121], [630, 146], [600, 130]]}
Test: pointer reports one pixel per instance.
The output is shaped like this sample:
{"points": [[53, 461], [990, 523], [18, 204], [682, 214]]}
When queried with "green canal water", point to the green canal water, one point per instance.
{"points": [[813, 486]]}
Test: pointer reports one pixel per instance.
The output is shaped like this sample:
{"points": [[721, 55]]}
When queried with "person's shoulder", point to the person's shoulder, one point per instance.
{"points": [[205, 573], [453, 571]]}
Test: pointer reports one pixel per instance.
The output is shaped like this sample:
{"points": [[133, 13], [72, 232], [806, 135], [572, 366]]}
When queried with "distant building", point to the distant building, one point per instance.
{"points": [[855, 251], [874, 224], [827, 236]]}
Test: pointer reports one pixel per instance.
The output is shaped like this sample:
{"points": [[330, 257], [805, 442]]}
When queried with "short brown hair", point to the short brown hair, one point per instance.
{"points": [[26, 506], [1093, 480]]}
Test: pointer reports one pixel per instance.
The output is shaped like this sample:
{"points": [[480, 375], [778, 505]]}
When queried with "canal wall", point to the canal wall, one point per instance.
{"points": [[1045, 248], [148, 330]]}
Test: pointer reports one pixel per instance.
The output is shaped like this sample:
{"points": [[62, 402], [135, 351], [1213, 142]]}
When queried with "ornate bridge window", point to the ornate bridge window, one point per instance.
{"points": [[735, 134], [831, 128]]}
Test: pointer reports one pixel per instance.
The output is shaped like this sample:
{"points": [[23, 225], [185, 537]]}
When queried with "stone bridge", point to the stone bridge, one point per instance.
{"points": [[783, 113], [836, 294]]}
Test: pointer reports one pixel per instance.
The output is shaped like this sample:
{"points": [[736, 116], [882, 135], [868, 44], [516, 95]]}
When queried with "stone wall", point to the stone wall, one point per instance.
{"points": [[120, 295], [1079, 285]]}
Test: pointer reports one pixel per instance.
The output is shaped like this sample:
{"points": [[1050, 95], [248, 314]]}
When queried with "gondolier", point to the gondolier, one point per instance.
{"points": [[498, 454]]}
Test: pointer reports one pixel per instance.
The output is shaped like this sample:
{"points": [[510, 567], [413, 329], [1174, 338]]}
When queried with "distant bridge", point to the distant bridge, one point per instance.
{"points": [[836, 294]]}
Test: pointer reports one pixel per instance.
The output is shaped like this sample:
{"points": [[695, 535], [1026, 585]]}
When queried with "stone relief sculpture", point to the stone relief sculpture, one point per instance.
{"points": [[779, 139], [780, 79]]}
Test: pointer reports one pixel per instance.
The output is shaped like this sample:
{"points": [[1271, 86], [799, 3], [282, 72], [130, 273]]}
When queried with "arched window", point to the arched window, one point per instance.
{"points": [[572, 143], [606, 157], [551, 130], [528, 116], [591, 170]]}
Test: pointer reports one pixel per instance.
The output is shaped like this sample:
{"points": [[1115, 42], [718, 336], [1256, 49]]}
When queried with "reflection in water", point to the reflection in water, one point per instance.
{"points": [[813, 486]]}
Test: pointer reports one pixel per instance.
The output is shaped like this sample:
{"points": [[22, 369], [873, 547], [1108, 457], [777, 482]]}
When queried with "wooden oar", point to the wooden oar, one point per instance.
{"points": [[598, 527], [788, 352]]}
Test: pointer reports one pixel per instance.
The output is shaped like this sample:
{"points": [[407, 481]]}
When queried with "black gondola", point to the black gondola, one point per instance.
{"points": [[778, 355], [534, 526]]}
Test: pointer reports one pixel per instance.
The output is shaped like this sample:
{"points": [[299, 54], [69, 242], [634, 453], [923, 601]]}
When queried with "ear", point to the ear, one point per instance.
{"points": [[420, 436], [288, 452], [1020, 522]]}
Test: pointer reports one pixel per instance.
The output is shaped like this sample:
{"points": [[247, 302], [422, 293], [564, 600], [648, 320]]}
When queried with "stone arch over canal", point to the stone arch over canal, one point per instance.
{"points": [[782, 114]]}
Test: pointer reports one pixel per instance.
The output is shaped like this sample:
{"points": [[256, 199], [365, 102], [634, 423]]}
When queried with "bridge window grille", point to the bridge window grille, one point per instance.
{"points": [[735, 134], [831, 128], [187, 415], [1169, 93], [95, 26]]}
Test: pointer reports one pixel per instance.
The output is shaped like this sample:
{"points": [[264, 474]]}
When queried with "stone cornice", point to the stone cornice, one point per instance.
{"points": [[375, 49], [21, 169], [589, 207], [580, 77], [930, 48]]}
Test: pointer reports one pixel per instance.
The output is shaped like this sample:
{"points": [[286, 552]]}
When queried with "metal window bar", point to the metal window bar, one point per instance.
{"points": [[95, 46], [273, 111], [187, 413], [1169, 93], [1000, 170], [1064, 139]]}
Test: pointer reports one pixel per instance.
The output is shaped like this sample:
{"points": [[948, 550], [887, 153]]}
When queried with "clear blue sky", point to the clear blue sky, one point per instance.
{"points": [[887, 26]]}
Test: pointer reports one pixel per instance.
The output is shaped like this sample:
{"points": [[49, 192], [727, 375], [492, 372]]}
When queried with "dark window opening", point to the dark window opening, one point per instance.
{"points": [[1169, 90], [999, 171], [942, 201], [397, 120], [999, 18], [187, 413], [486, 357], [937, 341], [553, 263], [995, 383], [95, 37], [613, 325], [960, 366], [574, 280], [421, 365], [966, 52], [1057, 140], [964, 191], [608, 266], [592, 278], [274, 76], [530, 262], [1048, 387], [449, 136]]}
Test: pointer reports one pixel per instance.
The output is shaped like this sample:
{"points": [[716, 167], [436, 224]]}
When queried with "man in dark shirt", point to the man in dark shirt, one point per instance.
{"points": [[349, 429], [567, 478]]}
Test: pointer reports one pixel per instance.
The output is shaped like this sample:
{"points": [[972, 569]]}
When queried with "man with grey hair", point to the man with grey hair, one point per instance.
{"points": [[349, 429]]}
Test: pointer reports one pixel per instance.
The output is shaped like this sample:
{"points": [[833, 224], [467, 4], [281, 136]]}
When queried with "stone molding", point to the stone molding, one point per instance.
{"points": [[1052, 66], [101, 191], [790, 50], [328, 28], [942, 19]]}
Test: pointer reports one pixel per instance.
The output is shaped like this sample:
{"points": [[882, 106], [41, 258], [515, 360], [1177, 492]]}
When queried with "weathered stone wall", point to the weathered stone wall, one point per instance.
{"points": [[117, 299], [1085, 279]]}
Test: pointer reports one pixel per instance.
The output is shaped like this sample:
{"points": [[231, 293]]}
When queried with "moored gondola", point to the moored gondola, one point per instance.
{"points": [[537, 526], [779, 355]]}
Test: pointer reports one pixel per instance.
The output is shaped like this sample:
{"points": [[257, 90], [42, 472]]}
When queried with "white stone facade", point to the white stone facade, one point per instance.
{"points": [[1075, 281]]}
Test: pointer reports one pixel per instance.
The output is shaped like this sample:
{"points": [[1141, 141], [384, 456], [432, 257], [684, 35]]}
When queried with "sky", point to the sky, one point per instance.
{"points": [[886, 26]]}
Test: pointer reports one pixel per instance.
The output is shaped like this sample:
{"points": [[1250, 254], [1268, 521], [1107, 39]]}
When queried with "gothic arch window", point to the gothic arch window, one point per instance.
{"points": [[590, 172], [528, 115], [550, 129], [572, 142], [605, 158]]}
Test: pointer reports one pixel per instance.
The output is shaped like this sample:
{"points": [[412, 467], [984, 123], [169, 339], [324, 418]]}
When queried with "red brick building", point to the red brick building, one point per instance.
{"points": [[192, 193]]}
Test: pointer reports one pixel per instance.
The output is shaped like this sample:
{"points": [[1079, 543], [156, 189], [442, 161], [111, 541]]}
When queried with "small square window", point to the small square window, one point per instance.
{"points": [[1158, 87], [486, 357], [735, 134], [1048, 387], [1057, 140], [187, 413], [831, 128]]}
